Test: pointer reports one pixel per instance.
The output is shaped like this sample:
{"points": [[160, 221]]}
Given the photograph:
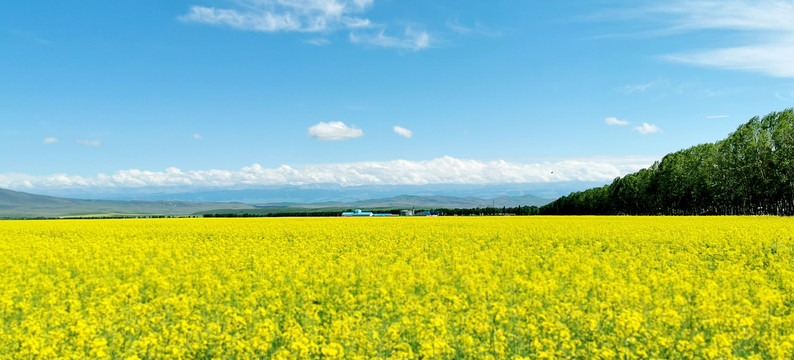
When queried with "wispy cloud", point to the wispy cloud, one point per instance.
{"points": [[318, 41], [50, 140], [308, 16], [638, 88], [334, 130], [784, 96], [646, 128], [198, 136], [477, 29], [615, 121], [764, 29], [399, 130], [770, 59], [30, 36], [444, 170], [90, 142], [410, 40], [284, 15], [716, 116]]}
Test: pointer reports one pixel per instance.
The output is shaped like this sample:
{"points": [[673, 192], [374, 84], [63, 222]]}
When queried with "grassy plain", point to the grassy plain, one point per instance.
{"points": [[398, 288]]}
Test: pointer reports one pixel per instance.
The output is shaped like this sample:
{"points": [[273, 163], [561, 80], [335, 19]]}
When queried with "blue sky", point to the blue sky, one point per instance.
{"points": [[263, 92]]}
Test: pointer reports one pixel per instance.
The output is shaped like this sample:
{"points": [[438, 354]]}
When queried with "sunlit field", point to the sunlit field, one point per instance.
{"points": [[398, 288]]}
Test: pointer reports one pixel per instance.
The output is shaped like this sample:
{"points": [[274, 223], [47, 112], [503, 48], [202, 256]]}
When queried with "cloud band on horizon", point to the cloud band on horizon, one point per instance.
{"points": [[443, 170]]}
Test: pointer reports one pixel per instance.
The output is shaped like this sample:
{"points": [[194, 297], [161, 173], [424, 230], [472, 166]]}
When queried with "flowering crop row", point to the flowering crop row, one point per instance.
{"points": [[398, 288]]}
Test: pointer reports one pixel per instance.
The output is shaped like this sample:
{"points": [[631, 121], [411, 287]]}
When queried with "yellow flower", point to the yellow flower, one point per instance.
{"points": [[398, 288]]}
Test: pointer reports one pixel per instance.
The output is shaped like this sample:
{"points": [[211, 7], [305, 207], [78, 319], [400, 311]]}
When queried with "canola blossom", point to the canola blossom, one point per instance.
{"points": [[398, 288]]}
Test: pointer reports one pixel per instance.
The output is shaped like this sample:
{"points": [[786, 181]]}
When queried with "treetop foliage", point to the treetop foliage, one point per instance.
{"points": [[751, 172]]}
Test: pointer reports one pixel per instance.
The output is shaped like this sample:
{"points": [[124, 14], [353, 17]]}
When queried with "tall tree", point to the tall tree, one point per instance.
{"points": [[749, 172]]}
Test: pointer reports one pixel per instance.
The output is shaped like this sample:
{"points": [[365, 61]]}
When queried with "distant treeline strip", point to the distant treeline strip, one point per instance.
{"points": [[97, 217], [489, 211], [751, 172], [246, 214]]}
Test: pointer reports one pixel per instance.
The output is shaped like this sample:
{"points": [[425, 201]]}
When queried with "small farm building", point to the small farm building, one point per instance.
{"points": [[357, 212]]}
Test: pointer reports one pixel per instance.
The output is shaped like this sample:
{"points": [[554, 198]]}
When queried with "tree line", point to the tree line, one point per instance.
{"points": [[751, 172], [488, 211], [251, 214]]}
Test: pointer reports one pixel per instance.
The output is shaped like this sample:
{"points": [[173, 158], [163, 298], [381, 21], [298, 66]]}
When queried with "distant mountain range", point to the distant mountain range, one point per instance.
{"points": [[15, 204], [408, 201], [320, 193]]}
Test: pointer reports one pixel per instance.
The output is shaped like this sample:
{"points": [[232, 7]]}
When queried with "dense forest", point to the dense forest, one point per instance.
{"points": [[751, 172]]}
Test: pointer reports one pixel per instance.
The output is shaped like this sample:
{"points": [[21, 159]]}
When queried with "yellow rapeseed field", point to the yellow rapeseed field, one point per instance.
{"points": [[398, 288]]}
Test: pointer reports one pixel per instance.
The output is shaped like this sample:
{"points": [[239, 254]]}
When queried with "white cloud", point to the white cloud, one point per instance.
{"points": [[50, 140], [444, 170], [266, 22], [716, 116], [771, 59], [334, 130], [687, 15], [90, 142], [399, 130], [411, 40], [284, 15], [635, 88], [615, 121], [197, 136], [764, 27], [646, 128], [309, 16]]}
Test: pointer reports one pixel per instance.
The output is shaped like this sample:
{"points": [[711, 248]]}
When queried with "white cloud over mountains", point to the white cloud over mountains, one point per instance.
{"points": [[444, 170]]}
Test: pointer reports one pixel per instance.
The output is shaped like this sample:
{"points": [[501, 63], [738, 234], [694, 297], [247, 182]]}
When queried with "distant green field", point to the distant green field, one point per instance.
{"points": [[15, 204], [290, 211], [109, 215]]}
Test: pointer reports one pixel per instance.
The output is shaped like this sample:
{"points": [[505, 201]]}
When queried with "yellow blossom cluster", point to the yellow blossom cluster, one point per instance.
{"points": [[398, 288]]}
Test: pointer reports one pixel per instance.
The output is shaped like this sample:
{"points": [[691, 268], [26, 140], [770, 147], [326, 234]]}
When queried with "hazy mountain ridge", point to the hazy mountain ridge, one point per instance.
{"points": [[408, 201], [20, 205], [454, 202], [325, 193], [24, 205]]}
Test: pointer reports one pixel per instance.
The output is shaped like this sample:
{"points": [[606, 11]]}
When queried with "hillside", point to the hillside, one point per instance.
{"points": [[14, 204], [454, 202], [326, 192], [751, 172], [408, 201]]}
